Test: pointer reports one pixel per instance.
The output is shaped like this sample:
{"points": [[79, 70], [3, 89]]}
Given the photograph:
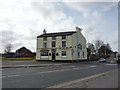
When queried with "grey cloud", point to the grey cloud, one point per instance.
{"points": [[8, 37], [49, 10], [41, 9], [92, 5]]}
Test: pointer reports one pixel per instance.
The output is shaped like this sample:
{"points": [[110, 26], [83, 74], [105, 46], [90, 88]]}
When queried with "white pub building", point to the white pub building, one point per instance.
{"points": [[61, 46]]}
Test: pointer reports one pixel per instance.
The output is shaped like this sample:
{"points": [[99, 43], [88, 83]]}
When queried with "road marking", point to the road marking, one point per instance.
{"points": [[62, 85], [93, 66], [111, 64], [72, 66], [44, 72], [10, 76]]}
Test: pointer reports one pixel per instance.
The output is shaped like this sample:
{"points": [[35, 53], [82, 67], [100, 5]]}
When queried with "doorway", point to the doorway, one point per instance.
{"points": [[53, 56]]}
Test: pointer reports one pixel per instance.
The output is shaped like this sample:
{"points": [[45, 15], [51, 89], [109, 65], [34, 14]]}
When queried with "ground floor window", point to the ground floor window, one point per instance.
{"points": [[44, 54], [63, 53]]}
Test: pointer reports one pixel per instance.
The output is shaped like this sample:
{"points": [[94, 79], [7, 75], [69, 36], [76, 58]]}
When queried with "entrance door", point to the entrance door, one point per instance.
{"points": [[53, 56]]}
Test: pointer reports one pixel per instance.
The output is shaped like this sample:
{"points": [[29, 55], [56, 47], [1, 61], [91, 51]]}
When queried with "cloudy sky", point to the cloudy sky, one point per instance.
{"points": [[21, 21]]}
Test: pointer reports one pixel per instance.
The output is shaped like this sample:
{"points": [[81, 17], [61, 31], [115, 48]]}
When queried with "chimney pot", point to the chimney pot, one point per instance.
{"points": [[44, 31]]}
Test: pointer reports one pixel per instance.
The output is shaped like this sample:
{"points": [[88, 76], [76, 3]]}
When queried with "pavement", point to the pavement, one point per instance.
{"points": [[27, 64], [34, 63], [102, 80]]}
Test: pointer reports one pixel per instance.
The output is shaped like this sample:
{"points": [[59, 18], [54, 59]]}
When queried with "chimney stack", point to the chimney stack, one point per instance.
{"points": [[44, 31], [78, 29]]}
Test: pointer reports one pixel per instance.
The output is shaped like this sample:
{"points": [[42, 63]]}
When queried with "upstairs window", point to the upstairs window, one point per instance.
{"points": [[84, 46], [54, 38], [79, 46], [53, 44], [63, 37], [44, 38], [44, 45], [63, 43]]}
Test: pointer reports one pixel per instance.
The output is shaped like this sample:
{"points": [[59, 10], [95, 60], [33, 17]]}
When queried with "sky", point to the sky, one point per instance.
{"points": [[21, 21]]}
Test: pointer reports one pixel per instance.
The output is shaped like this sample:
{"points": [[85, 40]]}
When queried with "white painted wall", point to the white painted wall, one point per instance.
{"points": [[72, 40]]}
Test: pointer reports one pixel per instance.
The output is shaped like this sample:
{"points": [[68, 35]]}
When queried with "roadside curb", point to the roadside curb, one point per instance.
{"points": [[62, 85], [28, 66]]}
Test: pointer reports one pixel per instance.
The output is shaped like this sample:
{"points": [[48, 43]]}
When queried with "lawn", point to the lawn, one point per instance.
{"points": [[18, 58]]}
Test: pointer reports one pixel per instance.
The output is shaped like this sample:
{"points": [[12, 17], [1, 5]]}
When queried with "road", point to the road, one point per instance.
{"points": [[42, 77]]}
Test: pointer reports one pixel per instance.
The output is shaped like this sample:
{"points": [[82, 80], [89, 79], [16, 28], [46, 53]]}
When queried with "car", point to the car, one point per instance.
{"points": [[102, 60]]}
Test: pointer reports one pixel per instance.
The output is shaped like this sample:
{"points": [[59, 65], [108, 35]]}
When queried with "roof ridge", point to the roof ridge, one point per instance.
{"points": [[57, 34]]}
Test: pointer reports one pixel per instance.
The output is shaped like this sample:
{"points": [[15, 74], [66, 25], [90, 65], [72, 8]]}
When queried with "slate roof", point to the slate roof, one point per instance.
{"points": [[57, 34], [22, 48]]}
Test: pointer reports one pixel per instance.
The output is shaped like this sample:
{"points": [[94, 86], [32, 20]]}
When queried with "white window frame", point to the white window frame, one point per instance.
{"points": [[44, 54], [44, 45], [64, 56]]}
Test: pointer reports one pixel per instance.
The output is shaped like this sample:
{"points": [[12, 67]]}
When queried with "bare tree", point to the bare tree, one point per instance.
{"points": [[8, 48], [108, 46], [98, 44], [91, 47]]}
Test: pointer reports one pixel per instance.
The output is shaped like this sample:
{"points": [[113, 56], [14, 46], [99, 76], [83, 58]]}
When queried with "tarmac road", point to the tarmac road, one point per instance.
{"points": [[43, 77]]}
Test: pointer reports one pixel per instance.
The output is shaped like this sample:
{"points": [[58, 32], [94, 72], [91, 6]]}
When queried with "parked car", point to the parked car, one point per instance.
{"points": [[102, 60]]}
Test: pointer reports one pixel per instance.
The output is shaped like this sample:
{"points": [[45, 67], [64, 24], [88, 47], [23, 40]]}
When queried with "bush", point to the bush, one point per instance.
{"points": [[94, 57]]}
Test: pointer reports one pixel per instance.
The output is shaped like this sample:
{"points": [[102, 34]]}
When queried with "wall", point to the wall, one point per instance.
{"points": [[58, 47], [78, 38]]}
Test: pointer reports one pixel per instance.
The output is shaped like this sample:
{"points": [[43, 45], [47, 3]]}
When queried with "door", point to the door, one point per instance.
{"points": [[53, 56]]}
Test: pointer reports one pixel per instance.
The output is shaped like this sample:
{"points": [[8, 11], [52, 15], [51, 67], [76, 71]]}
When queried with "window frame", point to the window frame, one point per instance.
{"points": [[44, 38], [44, 46], [64, 37], [63, 44], [79, 47], [53, 37], [53, 45], [44, 53], [64, 54]]}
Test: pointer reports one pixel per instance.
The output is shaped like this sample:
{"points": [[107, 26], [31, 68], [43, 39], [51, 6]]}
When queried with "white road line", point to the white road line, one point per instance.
{"points": [[44, 72], [93, 66], [111, 64], [52, 71], [72, 66], [10, 76]]}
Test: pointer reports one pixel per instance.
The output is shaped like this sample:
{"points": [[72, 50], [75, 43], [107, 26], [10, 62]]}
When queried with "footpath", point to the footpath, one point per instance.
{"points": [[103, 80], [27, 64]]}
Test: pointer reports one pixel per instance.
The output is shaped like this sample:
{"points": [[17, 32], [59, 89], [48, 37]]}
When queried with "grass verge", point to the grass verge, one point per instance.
{"points": [[18, 58]]}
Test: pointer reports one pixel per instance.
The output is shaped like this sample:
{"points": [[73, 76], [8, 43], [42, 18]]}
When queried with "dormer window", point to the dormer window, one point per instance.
{"points": [[63, 37], [44, 38]]}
